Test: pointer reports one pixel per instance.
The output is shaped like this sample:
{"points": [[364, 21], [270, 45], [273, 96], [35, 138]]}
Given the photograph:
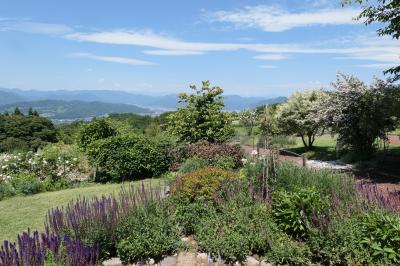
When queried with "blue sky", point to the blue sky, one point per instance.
{"points": [[260, 48]]}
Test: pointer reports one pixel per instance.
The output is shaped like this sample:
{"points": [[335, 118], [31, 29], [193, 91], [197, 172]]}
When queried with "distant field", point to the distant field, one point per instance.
{"points": [[19, 213]]}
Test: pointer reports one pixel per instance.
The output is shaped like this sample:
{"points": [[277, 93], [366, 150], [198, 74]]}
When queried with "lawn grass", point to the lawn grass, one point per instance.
{"points": [[19, 213]]}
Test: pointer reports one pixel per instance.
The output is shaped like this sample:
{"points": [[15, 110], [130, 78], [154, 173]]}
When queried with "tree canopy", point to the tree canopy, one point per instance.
{"points": [[25, 132], [300, 115], [386, 12], [202, 117]]}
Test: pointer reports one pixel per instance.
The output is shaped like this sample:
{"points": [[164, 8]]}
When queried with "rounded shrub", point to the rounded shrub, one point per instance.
{"points": [[210, 152], [128, 157], [237, 230], [202, 184], [225, 162], [26, 184], [147, 232]]}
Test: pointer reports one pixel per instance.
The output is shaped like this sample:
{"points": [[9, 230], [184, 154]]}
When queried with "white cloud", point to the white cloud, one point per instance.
{"points": [[112, 59], [34, 27], [270, 57], [274, 19], [172, 52], [376, 66], [268, 66]]}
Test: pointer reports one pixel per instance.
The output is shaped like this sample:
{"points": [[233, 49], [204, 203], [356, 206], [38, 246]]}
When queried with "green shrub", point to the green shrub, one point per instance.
{"points": [[26, 184], [147, 232], [6, 190], [202, 184], [192, 164], [225, 162], [237, 230], [293, 210], [128, 157], [93, 131], [370, 238], [208, 151], [287, 252], [188, 215]]}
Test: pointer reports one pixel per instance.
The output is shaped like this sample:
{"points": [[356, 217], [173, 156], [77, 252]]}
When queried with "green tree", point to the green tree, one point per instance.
{"points": [[95, 130], [202, 117], [360, 114], [17, 111], [25, 132], [386, 12], [300, 115]]}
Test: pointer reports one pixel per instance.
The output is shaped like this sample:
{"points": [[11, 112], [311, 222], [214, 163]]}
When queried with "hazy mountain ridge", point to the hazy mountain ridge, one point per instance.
{"points": [[72, 110], [160, 103]]}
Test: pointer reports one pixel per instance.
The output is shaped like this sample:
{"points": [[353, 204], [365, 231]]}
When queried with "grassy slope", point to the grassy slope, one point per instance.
{"points": [[19, 213]]}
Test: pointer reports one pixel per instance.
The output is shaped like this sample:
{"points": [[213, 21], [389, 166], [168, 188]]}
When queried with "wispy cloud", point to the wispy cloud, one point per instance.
{"points": [[112, 59], [369, 48], [376, 66], [172, 52], [268, 66], [28, 26], [270, 57], [275, 19]]}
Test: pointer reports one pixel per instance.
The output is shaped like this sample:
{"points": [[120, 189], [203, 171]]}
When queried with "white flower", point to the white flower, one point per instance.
{"points": [[254, 152], [244, 160]]}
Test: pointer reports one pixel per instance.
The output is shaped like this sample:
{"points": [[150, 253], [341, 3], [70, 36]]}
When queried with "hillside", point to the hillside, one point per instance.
{"points": [[160, 103], [72, 110]]}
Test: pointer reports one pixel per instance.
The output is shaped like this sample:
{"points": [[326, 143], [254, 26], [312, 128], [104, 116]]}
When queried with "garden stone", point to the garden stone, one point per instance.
{"points": [[250, 261], [113, 262], [186, 259], [168, 261], [264, 263]]}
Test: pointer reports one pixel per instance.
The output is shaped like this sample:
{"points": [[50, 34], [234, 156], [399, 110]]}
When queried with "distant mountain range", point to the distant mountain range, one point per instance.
{"points": [[72, 110], [63, 104]]}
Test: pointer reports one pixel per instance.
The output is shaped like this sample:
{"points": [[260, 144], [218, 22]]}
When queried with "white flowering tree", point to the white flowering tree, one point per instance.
{"points": [[301, 115], [361, 114]]}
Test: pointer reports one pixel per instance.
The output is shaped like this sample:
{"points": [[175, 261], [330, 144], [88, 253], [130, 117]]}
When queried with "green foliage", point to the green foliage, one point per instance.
{"points": [[300, 115], [328, 183], [202, 184], [225, 162], [147, 232], [202, 117], [248, 119], [381, 236], [189, 214], [360, 114], [6, 190], [192, 164], [285, 251], [293, 210], [25, 132], [129, 157], [237, 230], [26, 184], [95, 130]]}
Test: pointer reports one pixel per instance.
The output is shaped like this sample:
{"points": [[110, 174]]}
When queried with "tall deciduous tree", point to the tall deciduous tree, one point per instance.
{"points": [[359, 113], [202, 117], [300, 115], [386, 12]]}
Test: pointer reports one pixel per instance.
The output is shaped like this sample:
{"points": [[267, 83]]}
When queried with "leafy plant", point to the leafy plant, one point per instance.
{"points": [[202, 117], [147, 232], [201, 184], [237, 229], [192, 164], [293, 210], [225, 162]]}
